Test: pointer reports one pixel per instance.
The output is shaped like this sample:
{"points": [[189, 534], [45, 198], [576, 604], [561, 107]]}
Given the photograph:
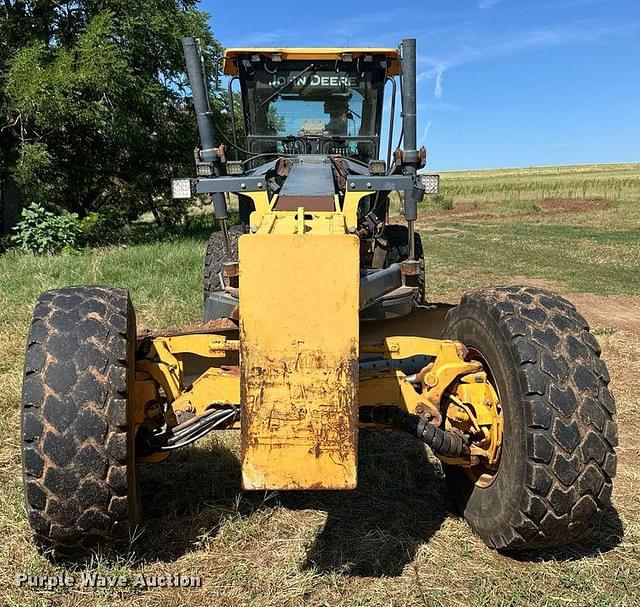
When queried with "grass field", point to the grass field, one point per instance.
{"points": [[394, 540]]}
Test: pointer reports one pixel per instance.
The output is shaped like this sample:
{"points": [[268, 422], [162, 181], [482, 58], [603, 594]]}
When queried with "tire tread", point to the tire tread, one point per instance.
{"points": [[74, 412], [215, 256], [571, 434]]}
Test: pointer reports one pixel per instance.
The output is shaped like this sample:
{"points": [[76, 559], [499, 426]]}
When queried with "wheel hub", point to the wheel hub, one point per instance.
{"points": [[473, 408]]}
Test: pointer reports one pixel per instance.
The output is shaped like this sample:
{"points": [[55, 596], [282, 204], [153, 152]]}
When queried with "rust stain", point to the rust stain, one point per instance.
{"points": [[312, 403], [219, 325]]}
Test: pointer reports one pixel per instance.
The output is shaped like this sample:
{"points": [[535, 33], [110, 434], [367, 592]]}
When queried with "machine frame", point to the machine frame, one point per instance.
{"points": [[316, 328], [448, 392]]}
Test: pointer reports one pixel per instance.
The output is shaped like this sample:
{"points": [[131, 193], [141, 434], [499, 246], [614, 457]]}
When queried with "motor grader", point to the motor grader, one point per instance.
{"points": [[315, 328]]}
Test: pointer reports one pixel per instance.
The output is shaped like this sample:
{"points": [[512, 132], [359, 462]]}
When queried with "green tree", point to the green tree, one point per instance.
{"points": [[93, 110]]}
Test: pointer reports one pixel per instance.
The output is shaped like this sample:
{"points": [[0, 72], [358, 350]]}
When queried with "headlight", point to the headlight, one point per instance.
{"points": [[430, 183], [181, 188], [235, 167], [377, 167], [204, 169]]}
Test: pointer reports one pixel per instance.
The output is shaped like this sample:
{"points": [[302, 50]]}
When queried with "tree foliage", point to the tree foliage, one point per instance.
{"points": [[93, 108]]}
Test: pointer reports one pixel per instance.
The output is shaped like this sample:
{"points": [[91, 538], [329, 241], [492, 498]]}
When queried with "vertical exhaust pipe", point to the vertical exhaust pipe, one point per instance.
{"points": [[200, 94], [208, 152], [411, 156], [409, 100]]}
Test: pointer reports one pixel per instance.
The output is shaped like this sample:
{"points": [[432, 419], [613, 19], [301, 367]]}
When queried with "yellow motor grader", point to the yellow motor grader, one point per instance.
{"points": [[316, 327]]}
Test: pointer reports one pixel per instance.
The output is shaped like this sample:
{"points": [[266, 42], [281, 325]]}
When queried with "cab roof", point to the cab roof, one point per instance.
{"points": [[309, 54]]}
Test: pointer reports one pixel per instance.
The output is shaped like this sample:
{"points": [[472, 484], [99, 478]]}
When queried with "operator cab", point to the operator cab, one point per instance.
{"points": [[313, 101]]}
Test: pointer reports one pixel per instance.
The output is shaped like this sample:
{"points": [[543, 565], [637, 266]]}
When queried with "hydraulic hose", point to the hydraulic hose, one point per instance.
{"points": [[441, 442], [188, 432]]}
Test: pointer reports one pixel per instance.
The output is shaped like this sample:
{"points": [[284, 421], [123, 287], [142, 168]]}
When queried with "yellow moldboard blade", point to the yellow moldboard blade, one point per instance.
{"points": [[299, 360]]}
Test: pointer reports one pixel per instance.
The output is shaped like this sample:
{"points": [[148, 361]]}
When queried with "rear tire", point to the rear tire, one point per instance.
{"points": [[395, 240], [77, 418], [554, 477], [216, 256]]}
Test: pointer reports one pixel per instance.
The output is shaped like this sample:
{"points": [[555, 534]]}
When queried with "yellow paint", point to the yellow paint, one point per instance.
{"points": [[391, 387], [450, 385], [304, 222], [300, 374], [310, 54], [447, 366], [474, 406], [216, 386], [147, 403], [261, 204], [163, 367], [206, 344], [299, 360], [350, 207], [266, 219]]}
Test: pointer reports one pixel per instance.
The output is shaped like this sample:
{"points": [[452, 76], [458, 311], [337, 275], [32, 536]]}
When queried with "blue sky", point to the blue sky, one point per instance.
{"points": [[501, 82]]}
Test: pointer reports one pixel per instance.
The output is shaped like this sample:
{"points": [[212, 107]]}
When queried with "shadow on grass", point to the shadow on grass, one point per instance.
{"points": [[197, 227], [150, 233], [375, 530], [186, 498]]}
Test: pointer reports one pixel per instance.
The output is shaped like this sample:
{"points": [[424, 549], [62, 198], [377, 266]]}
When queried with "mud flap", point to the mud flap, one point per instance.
{"points": [[299, 360]]}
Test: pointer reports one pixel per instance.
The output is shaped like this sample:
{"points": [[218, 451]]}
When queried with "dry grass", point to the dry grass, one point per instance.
{"points": [[394, 541]]}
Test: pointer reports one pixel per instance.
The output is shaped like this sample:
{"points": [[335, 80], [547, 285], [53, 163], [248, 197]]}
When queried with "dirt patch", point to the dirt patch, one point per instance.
{"points": [[601, 311], [545, 206], [616, 311], [572, 205], [619, 312], [441, 231]]}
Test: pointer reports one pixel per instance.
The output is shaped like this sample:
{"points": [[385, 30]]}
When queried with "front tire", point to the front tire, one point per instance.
{"points": [[77, 417], [215, 257], [554, 477]]}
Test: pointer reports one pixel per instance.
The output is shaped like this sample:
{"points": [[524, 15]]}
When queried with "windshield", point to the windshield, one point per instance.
{"points": [[313, 105], [302, 100]]}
